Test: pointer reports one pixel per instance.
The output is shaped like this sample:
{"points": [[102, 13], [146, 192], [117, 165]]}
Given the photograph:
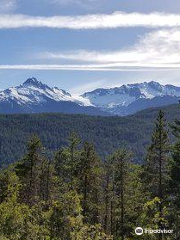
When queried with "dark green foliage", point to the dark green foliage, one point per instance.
{"points": [[57, 199], [90, 183], [174, 181], [123, 196], [156, 166], [156, 172], [30, 170], [74, 194], [106, 133], [175, 165]]}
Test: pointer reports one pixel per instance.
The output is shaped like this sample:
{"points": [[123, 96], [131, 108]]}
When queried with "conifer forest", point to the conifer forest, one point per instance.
{"points": [[76, 194]]}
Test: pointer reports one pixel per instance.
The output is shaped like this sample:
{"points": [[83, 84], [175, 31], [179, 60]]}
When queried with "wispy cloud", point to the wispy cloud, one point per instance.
{"points": [[157, 49], [98, 21], [105, 67], [8, 5]]}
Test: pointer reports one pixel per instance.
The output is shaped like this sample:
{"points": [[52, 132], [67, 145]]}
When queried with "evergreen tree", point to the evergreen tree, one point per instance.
{"points": [[66, 162], [29, 170], [13, 215], [155, 173], [78, 196], [122, 195], [175, 165], [4, 175], [174, 181], [90, 183]]}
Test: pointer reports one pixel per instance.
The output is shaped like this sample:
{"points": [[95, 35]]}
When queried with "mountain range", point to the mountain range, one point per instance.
{"points": [[35, 97]]}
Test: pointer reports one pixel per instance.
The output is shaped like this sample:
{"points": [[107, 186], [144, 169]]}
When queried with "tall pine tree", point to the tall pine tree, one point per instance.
{"points": [[155, 173], [90, 183], [122, 195], [174, 182], [29, 170]]}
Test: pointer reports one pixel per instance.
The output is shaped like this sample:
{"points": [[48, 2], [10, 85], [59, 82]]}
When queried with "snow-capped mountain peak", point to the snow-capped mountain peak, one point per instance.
{"points": [[34, 96], [33, 91], [115, 99], [32, 81]]}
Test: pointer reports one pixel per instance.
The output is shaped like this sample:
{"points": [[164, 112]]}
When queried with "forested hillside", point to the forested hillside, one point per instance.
{"points": [[106, 133], [76, 195]]}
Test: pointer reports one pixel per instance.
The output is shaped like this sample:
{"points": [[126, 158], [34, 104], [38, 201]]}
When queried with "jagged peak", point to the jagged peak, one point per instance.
{"points": [[63, 91], [154, 84], [34, 82]]}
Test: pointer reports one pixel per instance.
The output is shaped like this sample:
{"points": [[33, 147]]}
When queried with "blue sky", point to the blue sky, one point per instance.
{"points": [[80, 45]]}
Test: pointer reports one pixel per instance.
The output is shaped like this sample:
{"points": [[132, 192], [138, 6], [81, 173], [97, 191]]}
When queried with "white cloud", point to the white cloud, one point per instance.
{"points": [[74, 67], [105, 67], [157, 49], [98, 21], [8, 5]]}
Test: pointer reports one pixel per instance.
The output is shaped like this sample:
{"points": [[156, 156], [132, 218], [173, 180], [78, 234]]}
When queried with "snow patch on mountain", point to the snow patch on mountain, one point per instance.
{"points": [[34, 96], [127, 94], [34, 92]]}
